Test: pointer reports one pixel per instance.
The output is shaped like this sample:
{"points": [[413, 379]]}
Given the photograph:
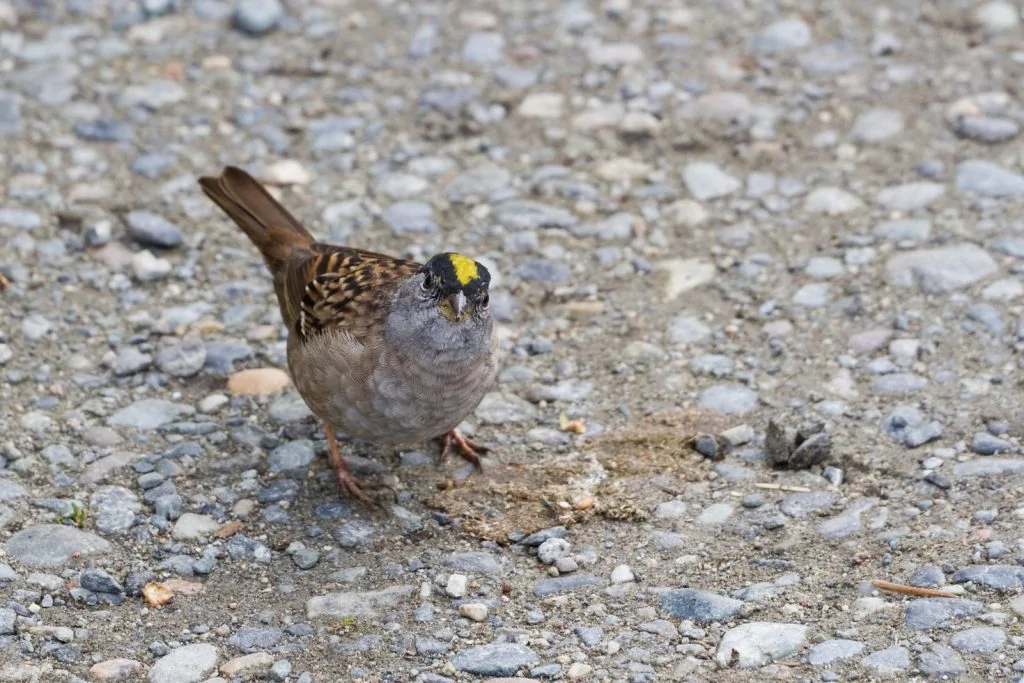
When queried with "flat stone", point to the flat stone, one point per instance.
{"points": [[988, 467], [888, 662], [247, 666], [757, 643], [116, 670], [699, 605], [941, 270], [979, 640], [785, 35], [190, 526], [988, 179], [707, 181], [149, 414], [53, 545], [495, 659], [997, 576], [829, 651], [185, 664], [910, 196], [929, 613], [356, 604], [831, 201]]}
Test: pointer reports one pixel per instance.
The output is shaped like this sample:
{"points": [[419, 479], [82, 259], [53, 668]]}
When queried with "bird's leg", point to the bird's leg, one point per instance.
{"points": [[346, 480], [467, 448]]}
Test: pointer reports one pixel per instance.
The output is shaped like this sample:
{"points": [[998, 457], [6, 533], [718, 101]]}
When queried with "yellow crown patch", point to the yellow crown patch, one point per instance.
{"points": [[465, 269]]}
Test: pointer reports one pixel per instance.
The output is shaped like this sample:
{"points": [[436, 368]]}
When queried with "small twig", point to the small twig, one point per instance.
{"points": [[782, 487], [911, 590]]}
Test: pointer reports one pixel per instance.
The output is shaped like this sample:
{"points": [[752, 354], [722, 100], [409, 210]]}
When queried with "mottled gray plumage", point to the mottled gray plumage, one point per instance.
{"points": [[386, 350]]}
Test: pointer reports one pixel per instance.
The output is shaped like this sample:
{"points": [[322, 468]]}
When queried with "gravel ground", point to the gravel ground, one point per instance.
{"points": [[758, 274]]}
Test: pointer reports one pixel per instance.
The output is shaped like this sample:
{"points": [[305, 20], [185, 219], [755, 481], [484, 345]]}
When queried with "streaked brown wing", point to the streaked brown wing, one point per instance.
{"points": [[343, 287]]}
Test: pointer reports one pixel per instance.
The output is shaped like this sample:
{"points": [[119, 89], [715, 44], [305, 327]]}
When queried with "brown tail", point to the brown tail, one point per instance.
{"points": [[275, 232]]}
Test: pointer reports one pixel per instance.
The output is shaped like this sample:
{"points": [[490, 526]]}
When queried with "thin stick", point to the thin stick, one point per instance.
{"points": [[782, 487], [911, 590]]}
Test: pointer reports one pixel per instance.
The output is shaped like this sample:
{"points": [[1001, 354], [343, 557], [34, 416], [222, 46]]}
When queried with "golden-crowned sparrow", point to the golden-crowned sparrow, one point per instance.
{"points": [[386, 350]]}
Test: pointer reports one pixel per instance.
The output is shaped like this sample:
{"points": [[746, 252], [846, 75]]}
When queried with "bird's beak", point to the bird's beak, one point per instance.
{"points": [[458, 304]]}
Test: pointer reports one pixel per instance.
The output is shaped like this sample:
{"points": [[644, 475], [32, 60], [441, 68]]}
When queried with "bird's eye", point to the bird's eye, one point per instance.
{"points": [[485, 302], [426, 285]]}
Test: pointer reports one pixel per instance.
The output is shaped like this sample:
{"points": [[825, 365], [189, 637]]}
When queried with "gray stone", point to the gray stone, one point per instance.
{"points": [[707, 181], [829, 651], [250, 639], [785, 35], [878, 125], [524, 214], [504, 408], [699, 605], [910, 196], [495, 659], [182, 359], [410, 217], [356, 604], [687, 329], [929, 613], [53, 545], [294, 455], [148, 414], [114, 508], [1002, 577], [988, 467], [757, 643], [185, 664], [888, 662], [988, 179], [153, 230], [257, 17], [940, 270], [915, 230], [562, 584], [942, 663], [730, 399], [979, 640]]}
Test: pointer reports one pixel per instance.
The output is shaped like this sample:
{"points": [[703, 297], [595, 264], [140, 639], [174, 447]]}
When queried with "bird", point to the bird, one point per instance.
{"points": [[387, 350]]}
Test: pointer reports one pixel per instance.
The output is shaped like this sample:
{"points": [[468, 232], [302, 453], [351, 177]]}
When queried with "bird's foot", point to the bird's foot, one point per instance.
{"points": [[466, 447], [347, 481]]}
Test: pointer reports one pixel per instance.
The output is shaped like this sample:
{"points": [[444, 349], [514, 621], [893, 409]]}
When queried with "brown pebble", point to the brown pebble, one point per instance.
{"points": [[258, 382]]}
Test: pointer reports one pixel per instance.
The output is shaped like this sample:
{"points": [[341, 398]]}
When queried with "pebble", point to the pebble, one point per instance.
{"points": [[707, 181], [148, 414], [831, 201], [185, 664], [996, 576], [878, 125], [456, 586], [116, 670], [356, 604], [756, 643], [940, 270], [830, 651], [182, 359], [785, 35], [191, 526], [247, 666], [257, 17], [987, 179], [151, 229], [495, 659], [729, 399], [474, 611], [929, 613], [699, 605], [52, 545], [887, 663], [258, 382]]}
